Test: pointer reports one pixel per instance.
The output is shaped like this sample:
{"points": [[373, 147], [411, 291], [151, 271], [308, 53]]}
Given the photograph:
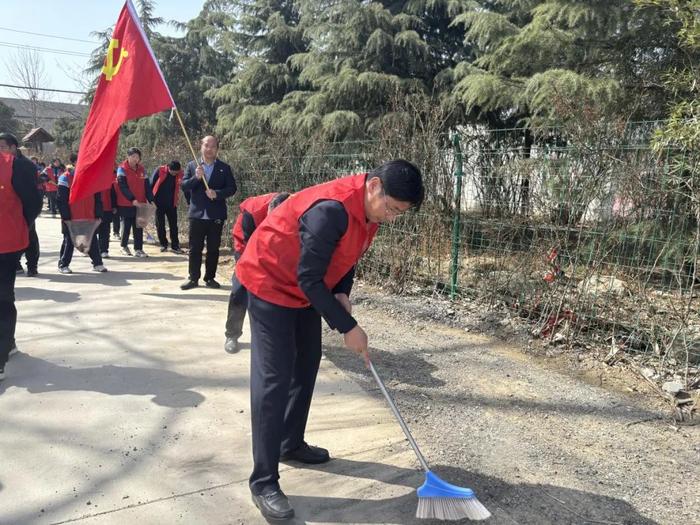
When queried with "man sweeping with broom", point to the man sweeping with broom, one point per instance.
{"points": [[298, 266]]}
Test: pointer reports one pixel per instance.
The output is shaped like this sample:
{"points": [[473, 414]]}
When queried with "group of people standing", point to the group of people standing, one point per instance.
{"points": [[295, 265]]}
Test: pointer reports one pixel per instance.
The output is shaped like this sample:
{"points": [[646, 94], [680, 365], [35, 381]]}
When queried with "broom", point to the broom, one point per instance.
{"points": [[437, 499]]}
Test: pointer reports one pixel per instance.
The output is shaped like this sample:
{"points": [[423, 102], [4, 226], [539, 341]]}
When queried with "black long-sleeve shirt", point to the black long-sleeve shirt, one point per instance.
{"points": [[166, 191], [320, 229], [24, 182]]}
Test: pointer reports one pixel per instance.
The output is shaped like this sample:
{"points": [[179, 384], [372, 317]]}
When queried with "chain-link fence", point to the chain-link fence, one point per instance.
{"points": [[584, 232]]}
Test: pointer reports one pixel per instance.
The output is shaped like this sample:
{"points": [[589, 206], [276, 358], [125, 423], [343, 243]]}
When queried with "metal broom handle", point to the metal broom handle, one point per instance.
{"points": [[396, 412]]}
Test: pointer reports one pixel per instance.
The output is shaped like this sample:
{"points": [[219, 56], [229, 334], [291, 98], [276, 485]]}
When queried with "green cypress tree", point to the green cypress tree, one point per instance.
{"points": [[532, 53]]}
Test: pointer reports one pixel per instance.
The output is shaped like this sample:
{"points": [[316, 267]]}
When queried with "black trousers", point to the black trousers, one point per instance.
{"points": [[237, 306], [204, 230], [130, 224], [169, 212], [67, 249], [32, 252], [8, 312], [285, 356], [51, 197], [116, 222], [103, 232]]}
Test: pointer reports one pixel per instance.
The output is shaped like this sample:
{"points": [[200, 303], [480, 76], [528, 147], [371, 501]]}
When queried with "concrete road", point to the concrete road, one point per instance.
{"points": [[122, 407]]}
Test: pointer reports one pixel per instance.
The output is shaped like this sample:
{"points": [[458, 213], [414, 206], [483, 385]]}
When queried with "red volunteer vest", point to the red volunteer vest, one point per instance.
{"points": [[14, 233], [106, 196], [257, 207], [51, 184], [162, 173], [268, 267], [135, 179]]}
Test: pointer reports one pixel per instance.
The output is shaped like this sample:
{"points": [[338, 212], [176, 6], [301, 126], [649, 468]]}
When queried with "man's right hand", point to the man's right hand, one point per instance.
{"points": [[199, 172], [356, 340]]}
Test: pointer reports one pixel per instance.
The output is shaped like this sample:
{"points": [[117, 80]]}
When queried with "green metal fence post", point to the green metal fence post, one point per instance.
{"points": [[457, 215]]}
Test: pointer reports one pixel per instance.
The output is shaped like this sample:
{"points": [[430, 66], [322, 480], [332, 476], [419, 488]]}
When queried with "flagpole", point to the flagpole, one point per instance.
{"points": [[189, 143]]}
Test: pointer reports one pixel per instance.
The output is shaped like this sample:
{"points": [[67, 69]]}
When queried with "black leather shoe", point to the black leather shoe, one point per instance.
{"points": [[231, 345], [274, 506], [32, 272], [189, 284], [307, 454], [211, 283]]}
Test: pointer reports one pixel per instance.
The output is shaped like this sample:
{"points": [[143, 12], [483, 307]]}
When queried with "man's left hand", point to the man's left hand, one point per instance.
{"points": [[211, 194]]}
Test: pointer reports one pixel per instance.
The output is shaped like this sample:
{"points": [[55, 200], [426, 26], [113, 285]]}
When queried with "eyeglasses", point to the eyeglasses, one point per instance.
{"points": [[390, 210]]}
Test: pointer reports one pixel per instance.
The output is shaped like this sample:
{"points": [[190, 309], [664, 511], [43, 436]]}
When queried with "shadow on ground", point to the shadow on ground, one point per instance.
{"points": [[167, 388], [509, 503], [26, 293], [110, 278]]}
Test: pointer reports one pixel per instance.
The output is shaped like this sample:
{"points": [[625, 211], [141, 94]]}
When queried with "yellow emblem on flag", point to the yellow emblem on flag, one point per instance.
{"points": [[110, 69]]}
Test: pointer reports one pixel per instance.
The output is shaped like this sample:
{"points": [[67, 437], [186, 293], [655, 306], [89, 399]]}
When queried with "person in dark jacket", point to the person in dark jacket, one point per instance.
{"points": [[209, 182], [33, 251], [253, 211], [297, 267], [132, 189], [20, 204], [65, 182], [165, 184]]}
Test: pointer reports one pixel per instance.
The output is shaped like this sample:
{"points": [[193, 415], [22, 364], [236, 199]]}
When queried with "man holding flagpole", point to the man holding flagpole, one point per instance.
{"points": [[210, 182]]}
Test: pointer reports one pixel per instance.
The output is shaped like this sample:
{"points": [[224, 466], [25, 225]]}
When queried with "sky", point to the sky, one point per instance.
{"points": [[64, 40]]}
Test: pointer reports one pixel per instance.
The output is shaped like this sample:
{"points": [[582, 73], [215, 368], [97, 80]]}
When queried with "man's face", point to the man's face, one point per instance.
{"points": [[380, 207], [56, 164], [209, 148], [6, 148], [134, 159]]}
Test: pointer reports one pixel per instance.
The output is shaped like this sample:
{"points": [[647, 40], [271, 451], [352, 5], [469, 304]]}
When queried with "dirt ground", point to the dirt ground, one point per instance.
{"points": [[542, 440]]}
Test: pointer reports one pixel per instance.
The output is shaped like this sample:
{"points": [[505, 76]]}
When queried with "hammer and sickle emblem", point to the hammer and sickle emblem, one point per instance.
{"points": [[110, 69]]}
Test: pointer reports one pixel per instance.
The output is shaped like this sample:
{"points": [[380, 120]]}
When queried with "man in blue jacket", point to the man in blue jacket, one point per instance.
{"points": [[209, 182]]}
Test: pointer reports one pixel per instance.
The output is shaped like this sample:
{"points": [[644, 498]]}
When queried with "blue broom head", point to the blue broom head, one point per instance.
{"points": [[434, 487], [440, 500]]}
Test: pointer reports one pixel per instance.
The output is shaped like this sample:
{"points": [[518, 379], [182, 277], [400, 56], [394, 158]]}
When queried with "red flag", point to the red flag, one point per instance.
{"points": [[131, 85]]}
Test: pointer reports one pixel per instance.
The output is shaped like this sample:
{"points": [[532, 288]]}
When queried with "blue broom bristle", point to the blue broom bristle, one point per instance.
{"points": [[440, 500]]}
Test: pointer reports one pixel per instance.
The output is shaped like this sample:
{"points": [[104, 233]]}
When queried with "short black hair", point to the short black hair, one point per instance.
{"points": [[10, 139], [401, 180], [73, 158], [277, 200], [131, 151], [174, 165]]}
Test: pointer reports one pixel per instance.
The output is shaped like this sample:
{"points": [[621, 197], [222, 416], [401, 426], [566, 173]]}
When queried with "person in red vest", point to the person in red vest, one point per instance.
{"points": [[75, 211], [297, 267], [20, 204], [166, 182], [252, 212], [132, 188], [50, 177], [108, 210]]}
